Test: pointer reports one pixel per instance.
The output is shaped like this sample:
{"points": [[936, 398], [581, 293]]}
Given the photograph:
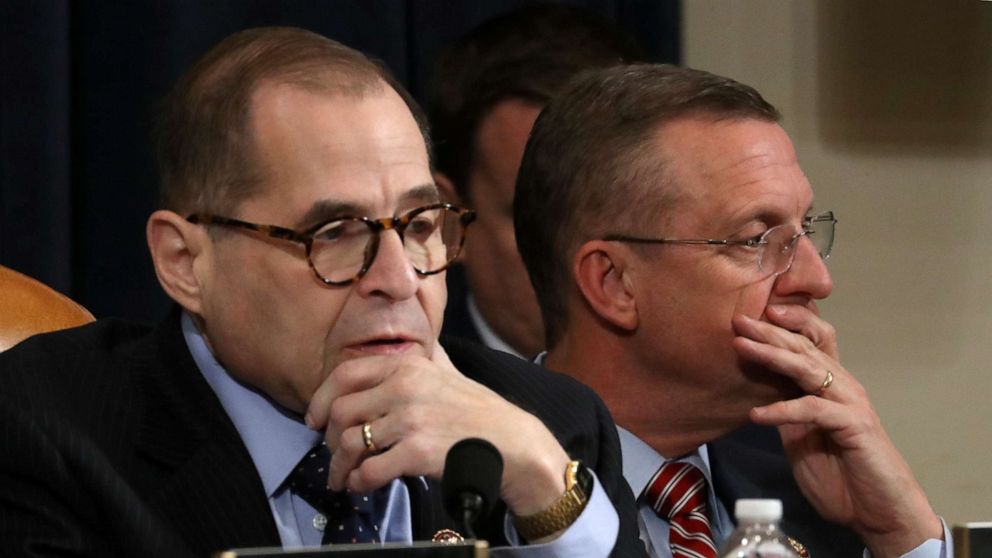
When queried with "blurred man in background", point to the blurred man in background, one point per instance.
{"points": [[490, 86]]}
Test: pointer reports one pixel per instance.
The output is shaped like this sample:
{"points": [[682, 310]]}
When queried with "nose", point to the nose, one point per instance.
{"points": [[391, 274], [808, 275]]}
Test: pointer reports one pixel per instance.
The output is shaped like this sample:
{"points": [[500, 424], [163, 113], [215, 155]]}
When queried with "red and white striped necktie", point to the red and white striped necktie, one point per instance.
{"points": [[678, 494]]}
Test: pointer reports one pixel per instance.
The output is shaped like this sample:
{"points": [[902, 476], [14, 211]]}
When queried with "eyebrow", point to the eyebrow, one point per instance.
{"points": [[326, 210]]}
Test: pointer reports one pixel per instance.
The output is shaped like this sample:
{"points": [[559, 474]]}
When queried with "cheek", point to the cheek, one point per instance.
{"points": [[699, 305], [433, 297], [753, 299], [273, 325]]}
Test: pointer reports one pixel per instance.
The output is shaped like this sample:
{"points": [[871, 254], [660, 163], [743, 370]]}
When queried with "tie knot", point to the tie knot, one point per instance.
{"points": [[677, 489]]}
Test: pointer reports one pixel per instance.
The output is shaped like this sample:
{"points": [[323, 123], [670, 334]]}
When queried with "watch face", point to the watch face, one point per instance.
{"points": [[584, 479], [572, 475]]}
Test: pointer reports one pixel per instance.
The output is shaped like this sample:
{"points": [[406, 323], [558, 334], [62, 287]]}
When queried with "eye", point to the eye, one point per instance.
{"points": [[423, 225], [752, 234], [755, 240]]}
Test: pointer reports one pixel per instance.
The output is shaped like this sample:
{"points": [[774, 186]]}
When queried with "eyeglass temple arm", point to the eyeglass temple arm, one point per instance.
{"points": [[712, 242]]}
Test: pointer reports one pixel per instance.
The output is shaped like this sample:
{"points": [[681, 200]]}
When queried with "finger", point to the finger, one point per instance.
{"points": [[805, 370], [765, 332], [408, 457], [813, 372], [810, 409], [348, 377], [351, 410], [806, 322], [394, 456], [352, 450]]}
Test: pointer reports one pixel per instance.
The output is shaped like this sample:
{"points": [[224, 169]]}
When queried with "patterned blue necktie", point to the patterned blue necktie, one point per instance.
{"points": [[351, 517]]}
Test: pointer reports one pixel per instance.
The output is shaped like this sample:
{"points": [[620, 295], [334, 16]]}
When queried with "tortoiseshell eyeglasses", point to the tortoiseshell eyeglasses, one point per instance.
{"points": [[341, 251]]}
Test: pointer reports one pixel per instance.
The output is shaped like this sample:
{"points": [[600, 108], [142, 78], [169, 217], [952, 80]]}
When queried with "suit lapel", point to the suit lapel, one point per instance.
{"points": [[427, 508], [201, 465], [751, 463], [457, 319]]}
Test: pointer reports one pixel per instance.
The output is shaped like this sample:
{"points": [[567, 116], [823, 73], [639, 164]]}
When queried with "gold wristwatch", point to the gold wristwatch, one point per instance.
{"points": [[564, 511]]}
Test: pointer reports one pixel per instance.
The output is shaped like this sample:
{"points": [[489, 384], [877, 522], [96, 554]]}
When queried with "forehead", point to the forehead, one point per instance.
{"points": [[330, 150], [734, 169]]}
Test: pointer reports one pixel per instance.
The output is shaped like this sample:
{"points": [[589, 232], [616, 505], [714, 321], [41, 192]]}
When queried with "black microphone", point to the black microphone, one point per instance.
{"points": [[473, 470]]}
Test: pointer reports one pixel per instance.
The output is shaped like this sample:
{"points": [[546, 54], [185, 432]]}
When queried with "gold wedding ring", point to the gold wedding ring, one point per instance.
{"points": [[826, 383], [367, 438]]}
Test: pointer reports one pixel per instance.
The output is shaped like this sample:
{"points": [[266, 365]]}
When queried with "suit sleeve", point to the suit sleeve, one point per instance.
{"points": [[609, 471], [40, 513]]}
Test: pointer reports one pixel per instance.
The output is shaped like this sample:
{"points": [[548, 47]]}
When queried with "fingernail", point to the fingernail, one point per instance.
{"points": [[308, 420], [777, 309]]}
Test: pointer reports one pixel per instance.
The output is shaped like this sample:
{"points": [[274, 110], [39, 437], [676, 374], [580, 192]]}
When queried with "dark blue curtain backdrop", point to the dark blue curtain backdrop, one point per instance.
{"points": [[77, 82]]}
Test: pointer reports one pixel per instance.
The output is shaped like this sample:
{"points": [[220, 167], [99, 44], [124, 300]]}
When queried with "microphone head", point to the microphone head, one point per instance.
{"points": [[472, 467]]}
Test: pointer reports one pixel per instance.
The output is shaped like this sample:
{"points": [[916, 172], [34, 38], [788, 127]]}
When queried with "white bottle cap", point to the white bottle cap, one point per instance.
{"points": [[758, 510]]}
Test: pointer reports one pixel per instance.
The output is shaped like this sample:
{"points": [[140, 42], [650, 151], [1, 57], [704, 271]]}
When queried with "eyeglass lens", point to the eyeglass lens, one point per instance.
{"points": [[781, 242], [821, 232], [343, 248]]}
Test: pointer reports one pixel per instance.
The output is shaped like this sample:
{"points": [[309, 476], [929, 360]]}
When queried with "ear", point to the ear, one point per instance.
{"points": [[447, 188], [604, 283], [176, 245]]}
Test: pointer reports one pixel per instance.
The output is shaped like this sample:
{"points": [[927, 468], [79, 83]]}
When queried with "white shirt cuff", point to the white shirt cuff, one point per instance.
{"points": [[930, 548]]}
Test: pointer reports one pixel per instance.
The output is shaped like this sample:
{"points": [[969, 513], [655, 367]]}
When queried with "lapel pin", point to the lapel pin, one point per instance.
{"points": [[799, 547], [447, 536]]}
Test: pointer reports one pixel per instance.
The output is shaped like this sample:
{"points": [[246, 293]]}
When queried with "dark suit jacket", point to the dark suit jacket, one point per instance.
{"points": [[457, 320], [113, 444], [751, 463]]}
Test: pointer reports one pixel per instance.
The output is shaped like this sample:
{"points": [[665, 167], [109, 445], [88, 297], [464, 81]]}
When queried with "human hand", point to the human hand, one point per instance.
{"points": [[417, 408], [841, 457]]}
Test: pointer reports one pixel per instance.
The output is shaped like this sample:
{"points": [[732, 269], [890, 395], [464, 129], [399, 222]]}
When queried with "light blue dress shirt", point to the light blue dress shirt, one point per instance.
{"points": [[276, 441]]}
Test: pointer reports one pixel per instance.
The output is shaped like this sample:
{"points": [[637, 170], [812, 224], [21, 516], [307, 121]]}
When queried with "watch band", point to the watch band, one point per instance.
{"points": [[564, 511]]}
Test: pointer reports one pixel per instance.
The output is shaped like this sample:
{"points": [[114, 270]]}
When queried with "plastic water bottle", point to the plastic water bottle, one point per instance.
{"points": [[758, 534]]}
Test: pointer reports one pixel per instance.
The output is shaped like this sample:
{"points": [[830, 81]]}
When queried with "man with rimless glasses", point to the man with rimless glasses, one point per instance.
{"points": [[678, 257], [298, 395]]}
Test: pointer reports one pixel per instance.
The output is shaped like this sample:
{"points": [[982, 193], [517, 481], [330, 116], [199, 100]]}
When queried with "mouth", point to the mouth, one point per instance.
{"points": [[383, 345]]}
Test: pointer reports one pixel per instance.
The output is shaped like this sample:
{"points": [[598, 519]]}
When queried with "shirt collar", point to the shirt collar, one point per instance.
{"points": [[276, 439], [641, 461]]}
